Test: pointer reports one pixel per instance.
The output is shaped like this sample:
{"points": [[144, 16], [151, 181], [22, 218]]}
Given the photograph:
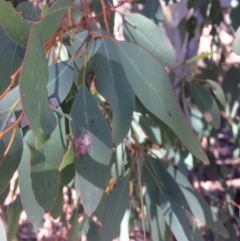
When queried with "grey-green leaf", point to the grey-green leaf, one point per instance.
{"points": [[112, 83], [33, 81], [45, 163], [116, 206], [31, 207], [93, 148], [151, 84], [173, 182], [11, 161], [143, 32], [206, 104], [175, 217], [218, 92]]}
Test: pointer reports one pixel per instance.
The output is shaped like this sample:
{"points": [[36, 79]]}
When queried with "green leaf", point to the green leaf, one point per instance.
{"points": [[45, 164], [30, 11], [14, 212], [57, 208], [112, 83], [13, 24], [11, 161], [206, 104], [175, 217], [11, 56], [3, 235], [31, 207], [199, 57], [91, 167], [48, 25], [143, 32], [33, 81], [68, 157], [152, 86], [158, 227], [60, 81], [67, 174], [236, 43], [218, 92], [173, 182], [4, 194], [153, 10], [230, 87], [116, 206]]}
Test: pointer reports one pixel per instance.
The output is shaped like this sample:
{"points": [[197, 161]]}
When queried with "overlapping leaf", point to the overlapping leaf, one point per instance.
{"points": [[173, 182], [31, 207], [218, 91], [11, 56], [91, 167], [45, 163], [175, 217], [112, 83], [48, 25], [14, 212], [13, 24], [115, 208], [152, 86], [206, 104], [60, 81], [33, 81], [158, 226], [9, 162], [143, 32], [153, 10]]}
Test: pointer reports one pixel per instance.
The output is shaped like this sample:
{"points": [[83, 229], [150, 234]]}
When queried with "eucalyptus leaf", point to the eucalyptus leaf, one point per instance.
{"points": [[152, 86], [31, 207], [33, 81], [91, 135], [116, 206]]}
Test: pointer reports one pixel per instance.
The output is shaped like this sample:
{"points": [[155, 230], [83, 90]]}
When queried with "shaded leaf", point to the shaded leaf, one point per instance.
{"points": [[173, 182], [206, 104], [48, 25], [175, 217], [29, 11], [11, 161], [13, 24], [143, 32], [11, 56], [14, 212], [57, 208], [218, 91], [116, 206], [152, 86], [68, 157], [91, 168], [31, 207], [153, 10], [230, 87], [45, 164], [33, 81], [112, 83], [67, 174], [158, 227], [4, 194], [60, 81]]}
